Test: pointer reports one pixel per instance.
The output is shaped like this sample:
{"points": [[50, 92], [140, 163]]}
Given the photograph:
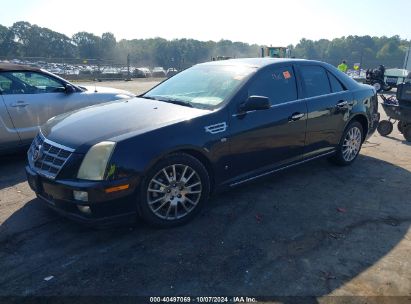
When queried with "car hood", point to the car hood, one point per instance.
{"points": [[106, 90], [85, 127]]}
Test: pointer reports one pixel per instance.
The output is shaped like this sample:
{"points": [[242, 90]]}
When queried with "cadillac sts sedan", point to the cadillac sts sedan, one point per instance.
{"points": [[214, 126], [29, 96]]}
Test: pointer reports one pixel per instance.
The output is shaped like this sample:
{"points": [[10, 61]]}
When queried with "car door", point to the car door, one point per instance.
{"points": [[264, 139], [34, 97], [328, 104], [8, 134]]}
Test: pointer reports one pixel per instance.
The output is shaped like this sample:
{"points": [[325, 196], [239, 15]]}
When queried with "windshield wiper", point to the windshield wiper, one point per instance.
{"points": [[173, 100], [177, 102], [169, 100], [148, 97]]}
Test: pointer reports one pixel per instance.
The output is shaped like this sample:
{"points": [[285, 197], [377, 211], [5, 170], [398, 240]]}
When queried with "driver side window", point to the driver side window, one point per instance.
{"points": [[278, 84], [27, 82]]}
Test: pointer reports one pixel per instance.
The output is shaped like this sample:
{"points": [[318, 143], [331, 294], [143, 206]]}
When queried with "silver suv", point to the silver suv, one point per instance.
{"points": [[29, 96]]}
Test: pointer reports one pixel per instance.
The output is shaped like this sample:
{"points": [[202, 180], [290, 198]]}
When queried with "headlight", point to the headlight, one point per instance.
{"points": [[95, 162]]}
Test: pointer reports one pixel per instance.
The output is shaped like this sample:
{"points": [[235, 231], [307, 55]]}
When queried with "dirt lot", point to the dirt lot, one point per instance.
{"points": [[314, 230], [137, 86]]}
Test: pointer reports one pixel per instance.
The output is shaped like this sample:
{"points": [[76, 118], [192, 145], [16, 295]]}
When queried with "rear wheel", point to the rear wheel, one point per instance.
{"points": [[385, 127], [401, 126], [174, 190], [350, 144], [407, 133], [377, 85]]}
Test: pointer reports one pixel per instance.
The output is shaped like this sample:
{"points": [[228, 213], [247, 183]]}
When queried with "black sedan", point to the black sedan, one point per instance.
{"points": [[213, 126]]}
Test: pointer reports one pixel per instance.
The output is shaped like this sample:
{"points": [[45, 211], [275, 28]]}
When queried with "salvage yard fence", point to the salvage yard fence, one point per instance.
{"points": [[81, 69], [103, 69]]}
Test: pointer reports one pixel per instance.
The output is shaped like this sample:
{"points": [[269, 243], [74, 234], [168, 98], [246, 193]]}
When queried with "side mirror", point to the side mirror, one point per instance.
{"points": [[69, 88], [255, 103]]}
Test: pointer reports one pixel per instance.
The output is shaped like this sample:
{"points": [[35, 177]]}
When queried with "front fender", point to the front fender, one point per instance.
{"points": [[136, 155]]}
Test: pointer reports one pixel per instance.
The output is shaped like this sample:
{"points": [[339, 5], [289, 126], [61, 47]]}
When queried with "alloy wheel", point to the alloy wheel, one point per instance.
{"points": [[352, 144], [174, 192]]}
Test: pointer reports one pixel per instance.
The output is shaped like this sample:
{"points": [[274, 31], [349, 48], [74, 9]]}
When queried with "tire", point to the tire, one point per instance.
{"points": [[401, 125], [173, 200], [407, 133], [350, 144], [385, 127], [377, 86]]}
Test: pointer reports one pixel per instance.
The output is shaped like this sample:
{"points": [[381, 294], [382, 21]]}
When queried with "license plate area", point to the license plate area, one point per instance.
{"points": [[34, 183], [48, 198], [391, 80]]}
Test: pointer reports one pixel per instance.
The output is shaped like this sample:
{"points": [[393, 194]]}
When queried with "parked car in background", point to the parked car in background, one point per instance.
{"points": [[158, 72], [213, 126], [146, 71], [171, 72], [29, 96], [141, 73], [137, 73]]}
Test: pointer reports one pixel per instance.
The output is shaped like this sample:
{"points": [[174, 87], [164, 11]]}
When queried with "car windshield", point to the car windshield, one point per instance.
{"points": [[202, 86]]}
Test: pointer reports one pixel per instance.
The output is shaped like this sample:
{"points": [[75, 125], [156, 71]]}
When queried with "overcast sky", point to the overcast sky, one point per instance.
{"points": [[276, 22]]}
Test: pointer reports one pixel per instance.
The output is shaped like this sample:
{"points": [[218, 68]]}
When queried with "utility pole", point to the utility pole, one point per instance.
{"points": [[407, 57], [128, 67], [359, 69]]}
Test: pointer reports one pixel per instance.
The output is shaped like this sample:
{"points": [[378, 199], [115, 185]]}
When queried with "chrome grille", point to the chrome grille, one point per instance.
{"points": [[47, 157]]}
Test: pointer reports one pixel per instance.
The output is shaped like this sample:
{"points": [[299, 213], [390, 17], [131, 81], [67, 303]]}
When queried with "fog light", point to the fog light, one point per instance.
{"points": [[80, 195], [84, 209]]}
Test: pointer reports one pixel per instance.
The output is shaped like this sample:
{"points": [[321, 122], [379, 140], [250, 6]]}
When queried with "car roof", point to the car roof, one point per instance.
{"points": [[261, 62], [5, 66], [256, 62]]}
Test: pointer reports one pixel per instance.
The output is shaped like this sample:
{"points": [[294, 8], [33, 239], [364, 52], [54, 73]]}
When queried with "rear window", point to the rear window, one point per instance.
{"points": [[315, 80], [336, 85]]}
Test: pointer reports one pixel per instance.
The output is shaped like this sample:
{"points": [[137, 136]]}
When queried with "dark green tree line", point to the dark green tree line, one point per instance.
{"points": [[370, 51], [23, 39]]}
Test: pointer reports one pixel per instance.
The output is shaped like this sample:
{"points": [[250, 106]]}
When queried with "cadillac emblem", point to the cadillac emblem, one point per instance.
{"points": [[37, 153]]}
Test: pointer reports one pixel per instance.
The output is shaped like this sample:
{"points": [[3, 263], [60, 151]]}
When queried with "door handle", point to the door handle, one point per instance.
{"points": [[19, 104], [341, 104], [296, 116]]}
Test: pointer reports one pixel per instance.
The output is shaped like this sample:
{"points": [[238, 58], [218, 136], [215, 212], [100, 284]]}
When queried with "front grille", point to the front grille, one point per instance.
{"points": [[47, 157]]}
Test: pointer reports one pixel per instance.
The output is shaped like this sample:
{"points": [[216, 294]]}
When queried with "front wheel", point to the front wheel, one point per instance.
{"points": [[350, 144], [174, 190]]}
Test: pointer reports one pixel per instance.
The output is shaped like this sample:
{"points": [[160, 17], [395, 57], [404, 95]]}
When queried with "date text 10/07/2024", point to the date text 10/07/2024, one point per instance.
{"points": [[202, 299]]}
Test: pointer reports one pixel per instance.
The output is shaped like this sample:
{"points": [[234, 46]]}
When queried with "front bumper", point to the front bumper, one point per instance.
{"points": [[103, 208]]}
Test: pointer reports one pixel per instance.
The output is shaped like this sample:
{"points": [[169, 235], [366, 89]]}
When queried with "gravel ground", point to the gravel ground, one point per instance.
{"points": [[136, 86], [315, 230]]}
